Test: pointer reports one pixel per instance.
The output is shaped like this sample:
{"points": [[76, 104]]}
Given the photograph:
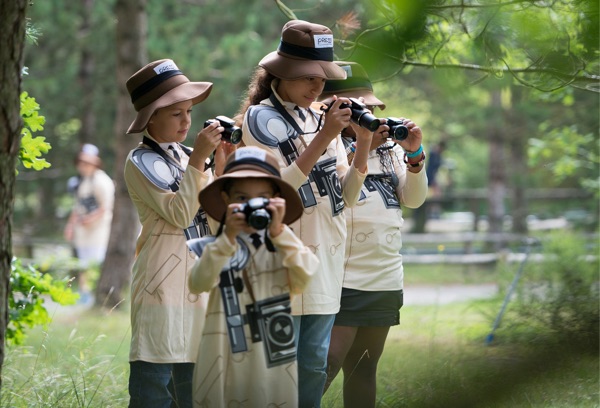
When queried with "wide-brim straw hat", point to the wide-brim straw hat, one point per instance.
{"points": [[357, 84], [305, 49], [90, 154], [160, 84], [250, 162]]}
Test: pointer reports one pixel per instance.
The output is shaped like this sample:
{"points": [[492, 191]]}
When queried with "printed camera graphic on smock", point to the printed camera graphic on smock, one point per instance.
{"points": [[270, 320]]}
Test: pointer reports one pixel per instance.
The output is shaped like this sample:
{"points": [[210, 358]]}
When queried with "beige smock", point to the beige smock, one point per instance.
{"points": [[226, 379], [333, 185], [373, 259], [166, 319]]}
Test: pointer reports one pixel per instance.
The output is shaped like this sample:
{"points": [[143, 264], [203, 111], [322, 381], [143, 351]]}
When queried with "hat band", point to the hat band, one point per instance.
{"points": [[250, 160], [349, 83], [152, 83], [323, 54]]}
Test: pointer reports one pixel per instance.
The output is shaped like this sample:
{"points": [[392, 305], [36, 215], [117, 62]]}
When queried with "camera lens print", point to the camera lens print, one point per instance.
{"points": [[269, 320]]}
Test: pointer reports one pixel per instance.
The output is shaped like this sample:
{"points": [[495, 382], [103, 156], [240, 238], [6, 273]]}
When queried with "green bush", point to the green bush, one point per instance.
{"points": [[558, 297], [28, 290]]}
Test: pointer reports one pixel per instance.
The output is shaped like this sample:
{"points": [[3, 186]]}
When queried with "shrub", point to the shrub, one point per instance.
{"points": [[558, 297]]}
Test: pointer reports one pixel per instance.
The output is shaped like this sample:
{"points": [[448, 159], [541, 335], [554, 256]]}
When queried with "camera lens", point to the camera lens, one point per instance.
{"points": [[368, 121], [259, 219], [399, 132], [236, 135], [397, 129]]}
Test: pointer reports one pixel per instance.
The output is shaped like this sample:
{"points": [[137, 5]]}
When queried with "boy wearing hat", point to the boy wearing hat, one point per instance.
{"points": [[250, 274], [278, 118], [372, 290], [164, 179], [88, 227]]}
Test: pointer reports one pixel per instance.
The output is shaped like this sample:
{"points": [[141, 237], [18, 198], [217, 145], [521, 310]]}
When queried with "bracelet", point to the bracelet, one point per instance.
{"points": [[416, 153], [417, 164]]}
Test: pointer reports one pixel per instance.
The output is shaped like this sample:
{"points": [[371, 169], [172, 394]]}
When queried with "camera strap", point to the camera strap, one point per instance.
{"points": [[158, 150], [289, 119]]}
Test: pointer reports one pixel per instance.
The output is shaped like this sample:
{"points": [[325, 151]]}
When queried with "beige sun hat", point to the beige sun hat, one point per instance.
{"points": [[90, 154], [305, 49], [357, 84], [247, 162], [160, 84]]}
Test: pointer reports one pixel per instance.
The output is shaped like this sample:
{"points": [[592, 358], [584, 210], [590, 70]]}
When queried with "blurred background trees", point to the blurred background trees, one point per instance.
{"points": [[510, 86]]}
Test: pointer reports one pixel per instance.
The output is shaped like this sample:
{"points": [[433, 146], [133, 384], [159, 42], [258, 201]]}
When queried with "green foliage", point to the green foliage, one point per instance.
{"points": [[558, 297], [32, 147], [567, 154], [28, 287]]}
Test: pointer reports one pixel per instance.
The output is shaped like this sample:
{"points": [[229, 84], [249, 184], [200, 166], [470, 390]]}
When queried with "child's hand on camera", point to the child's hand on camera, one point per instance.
{"points": [[235, 222], [277, 208], [205, 144], [336, 118]]}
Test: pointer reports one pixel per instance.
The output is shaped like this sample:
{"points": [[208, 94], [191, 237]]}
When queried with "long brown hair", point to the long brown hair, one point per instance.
{"points": [[258, 89]]}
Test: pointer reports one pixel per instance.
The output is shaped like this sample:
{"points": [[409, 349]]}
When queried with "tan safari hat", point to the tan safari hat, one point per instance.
{"points": [[160, 84], [248, 162], [305, 49]]}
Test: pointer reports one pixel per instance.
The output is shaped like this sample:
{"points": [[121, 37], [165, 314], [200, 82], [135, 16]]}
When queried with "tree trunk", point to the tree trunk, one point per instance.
{"points": [[85, 75], [131, 56], [12, 41], [519, 170], [497, 173]]}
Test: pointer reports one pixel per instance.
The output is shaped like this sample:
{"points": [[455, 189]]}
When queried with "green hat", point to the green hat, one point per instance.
{"points": [[357, 84]]}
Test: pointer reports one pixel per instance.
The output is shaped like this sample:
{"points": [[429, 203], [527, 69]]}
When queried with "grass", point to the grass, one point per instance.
{"points": [[437, 357], [80, 360]]}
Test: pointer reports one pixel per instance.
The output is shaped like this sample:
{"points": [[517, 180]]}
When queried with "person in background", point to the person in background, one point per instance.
{"points": [[251, 268], [278, 117], [88, 226], [164, 178], [372, 290], [434, 162]]}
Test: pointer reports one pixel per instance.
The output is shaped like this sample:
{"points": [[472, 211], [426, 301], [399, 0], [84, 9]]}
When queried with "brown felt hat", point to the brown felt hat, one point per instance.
{"points": [[305, 49], [160, 84], [252, 162], [357, 84]]}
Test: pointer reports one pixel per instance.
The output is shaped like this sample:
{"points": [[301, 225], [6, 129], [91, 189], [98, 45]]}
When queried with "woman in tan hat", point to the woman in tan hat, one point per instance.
{"points": [[250, 269], [278, 117], [372, 291], [88, 227], [164, 179]]}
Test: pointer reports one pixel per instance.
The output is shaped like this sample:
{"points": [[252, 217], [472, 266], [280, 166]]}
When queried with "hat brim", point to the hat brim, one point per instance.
{"points": [[288, 68], [369, 98], [90, 159], [195, 91], [212, 202]]}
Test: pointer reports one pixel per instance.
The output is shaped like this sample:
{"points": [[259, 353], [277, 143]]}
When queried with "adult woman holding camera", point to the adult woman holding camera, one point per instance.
{"points": [[372, 291]]}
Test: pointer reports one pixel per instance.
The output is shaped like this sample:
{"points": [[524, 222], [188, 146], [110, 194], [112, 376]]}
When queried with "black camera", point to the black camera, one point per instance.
{"points": [[360, 114], [89, 203], [397, 129], [270, 321], [232, 133], [257, 215]]}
